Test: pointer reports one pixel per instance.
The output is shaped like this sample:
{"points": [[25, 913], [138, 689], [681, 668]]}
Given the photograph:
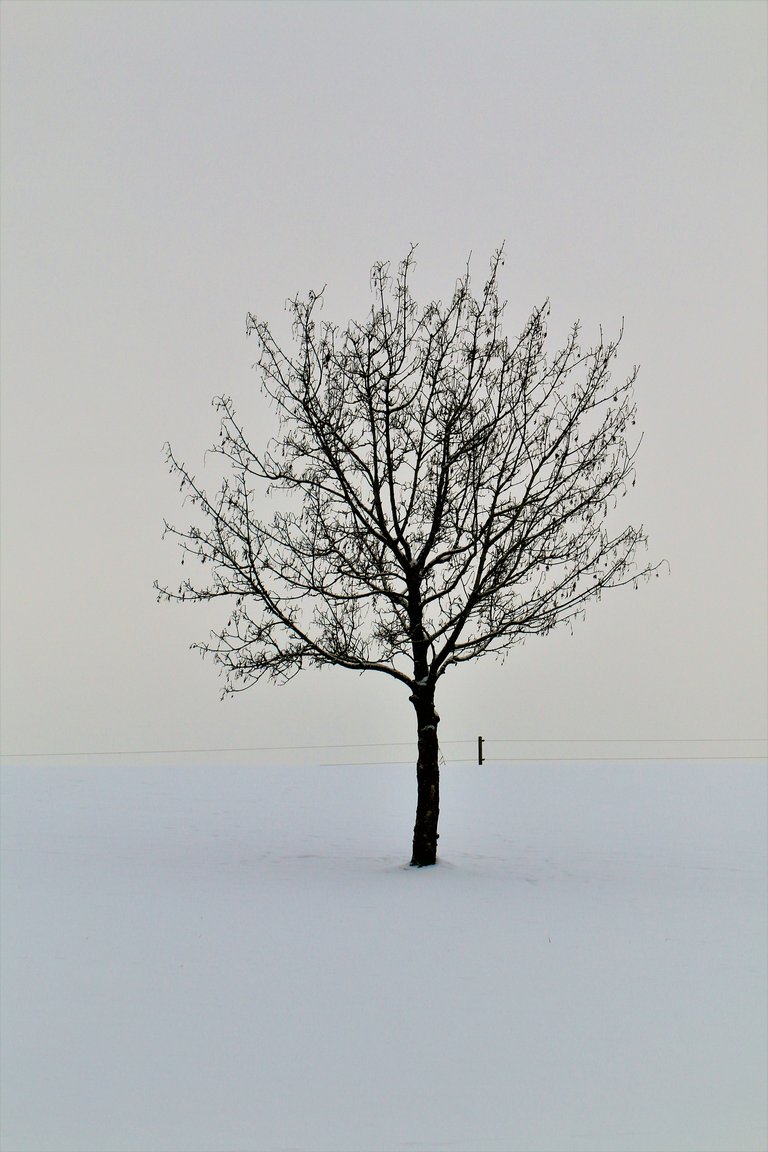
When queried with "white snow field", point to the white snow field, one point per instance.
{"points": [[235, 959]]}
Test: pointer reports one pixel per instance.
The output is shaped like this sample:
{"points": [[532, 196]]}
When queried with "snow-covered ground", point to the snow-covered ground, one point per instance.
{"points": [[235, 959]]}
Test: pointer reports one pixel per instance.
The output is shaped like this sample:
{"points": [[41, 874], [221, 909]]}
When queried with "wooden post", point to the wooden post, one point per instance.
{"points": [[479, 749]]}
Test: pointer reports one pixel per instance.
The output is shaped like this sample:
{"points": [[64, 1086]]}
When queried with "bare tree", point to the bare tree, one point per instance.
{"points": [[454, 490]]}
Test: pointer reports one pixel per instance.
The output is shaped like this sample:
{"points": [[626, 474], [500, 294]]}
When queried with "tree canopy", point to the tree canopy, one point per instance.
{"points": [[422, 444]]}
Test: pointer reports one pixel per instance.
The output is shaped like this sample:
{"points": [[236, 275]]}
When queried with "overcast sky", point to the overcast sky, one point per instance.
{"points": [[167, 167]]}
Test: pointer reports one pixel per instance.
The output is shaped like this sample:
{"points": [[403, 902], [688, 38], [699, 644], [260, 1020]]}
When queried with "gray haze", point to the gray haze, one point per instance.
{"points": [[168, 167]]}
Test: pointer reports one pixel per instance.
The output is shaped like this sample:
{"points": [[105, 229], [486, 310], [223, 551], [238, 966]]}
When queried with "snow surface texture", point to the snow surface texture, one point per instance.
{"points": [[235, 959]]}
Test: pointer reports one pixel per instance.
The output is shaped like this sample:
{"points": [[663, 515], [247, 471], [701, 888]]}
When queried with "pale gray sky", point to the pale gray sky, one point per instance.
{"points": [[167, 167]]}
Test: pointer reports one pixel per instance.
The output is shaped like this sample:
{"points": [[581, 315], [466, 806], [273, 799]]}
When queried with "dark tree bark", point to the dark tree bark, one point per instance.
{"points": [[453, 489], [425, 833]]}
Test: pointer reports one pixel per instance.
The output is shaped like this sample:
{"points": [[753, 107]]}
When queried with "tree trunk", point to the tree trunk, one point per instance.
{"points": [[428, 780]]}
